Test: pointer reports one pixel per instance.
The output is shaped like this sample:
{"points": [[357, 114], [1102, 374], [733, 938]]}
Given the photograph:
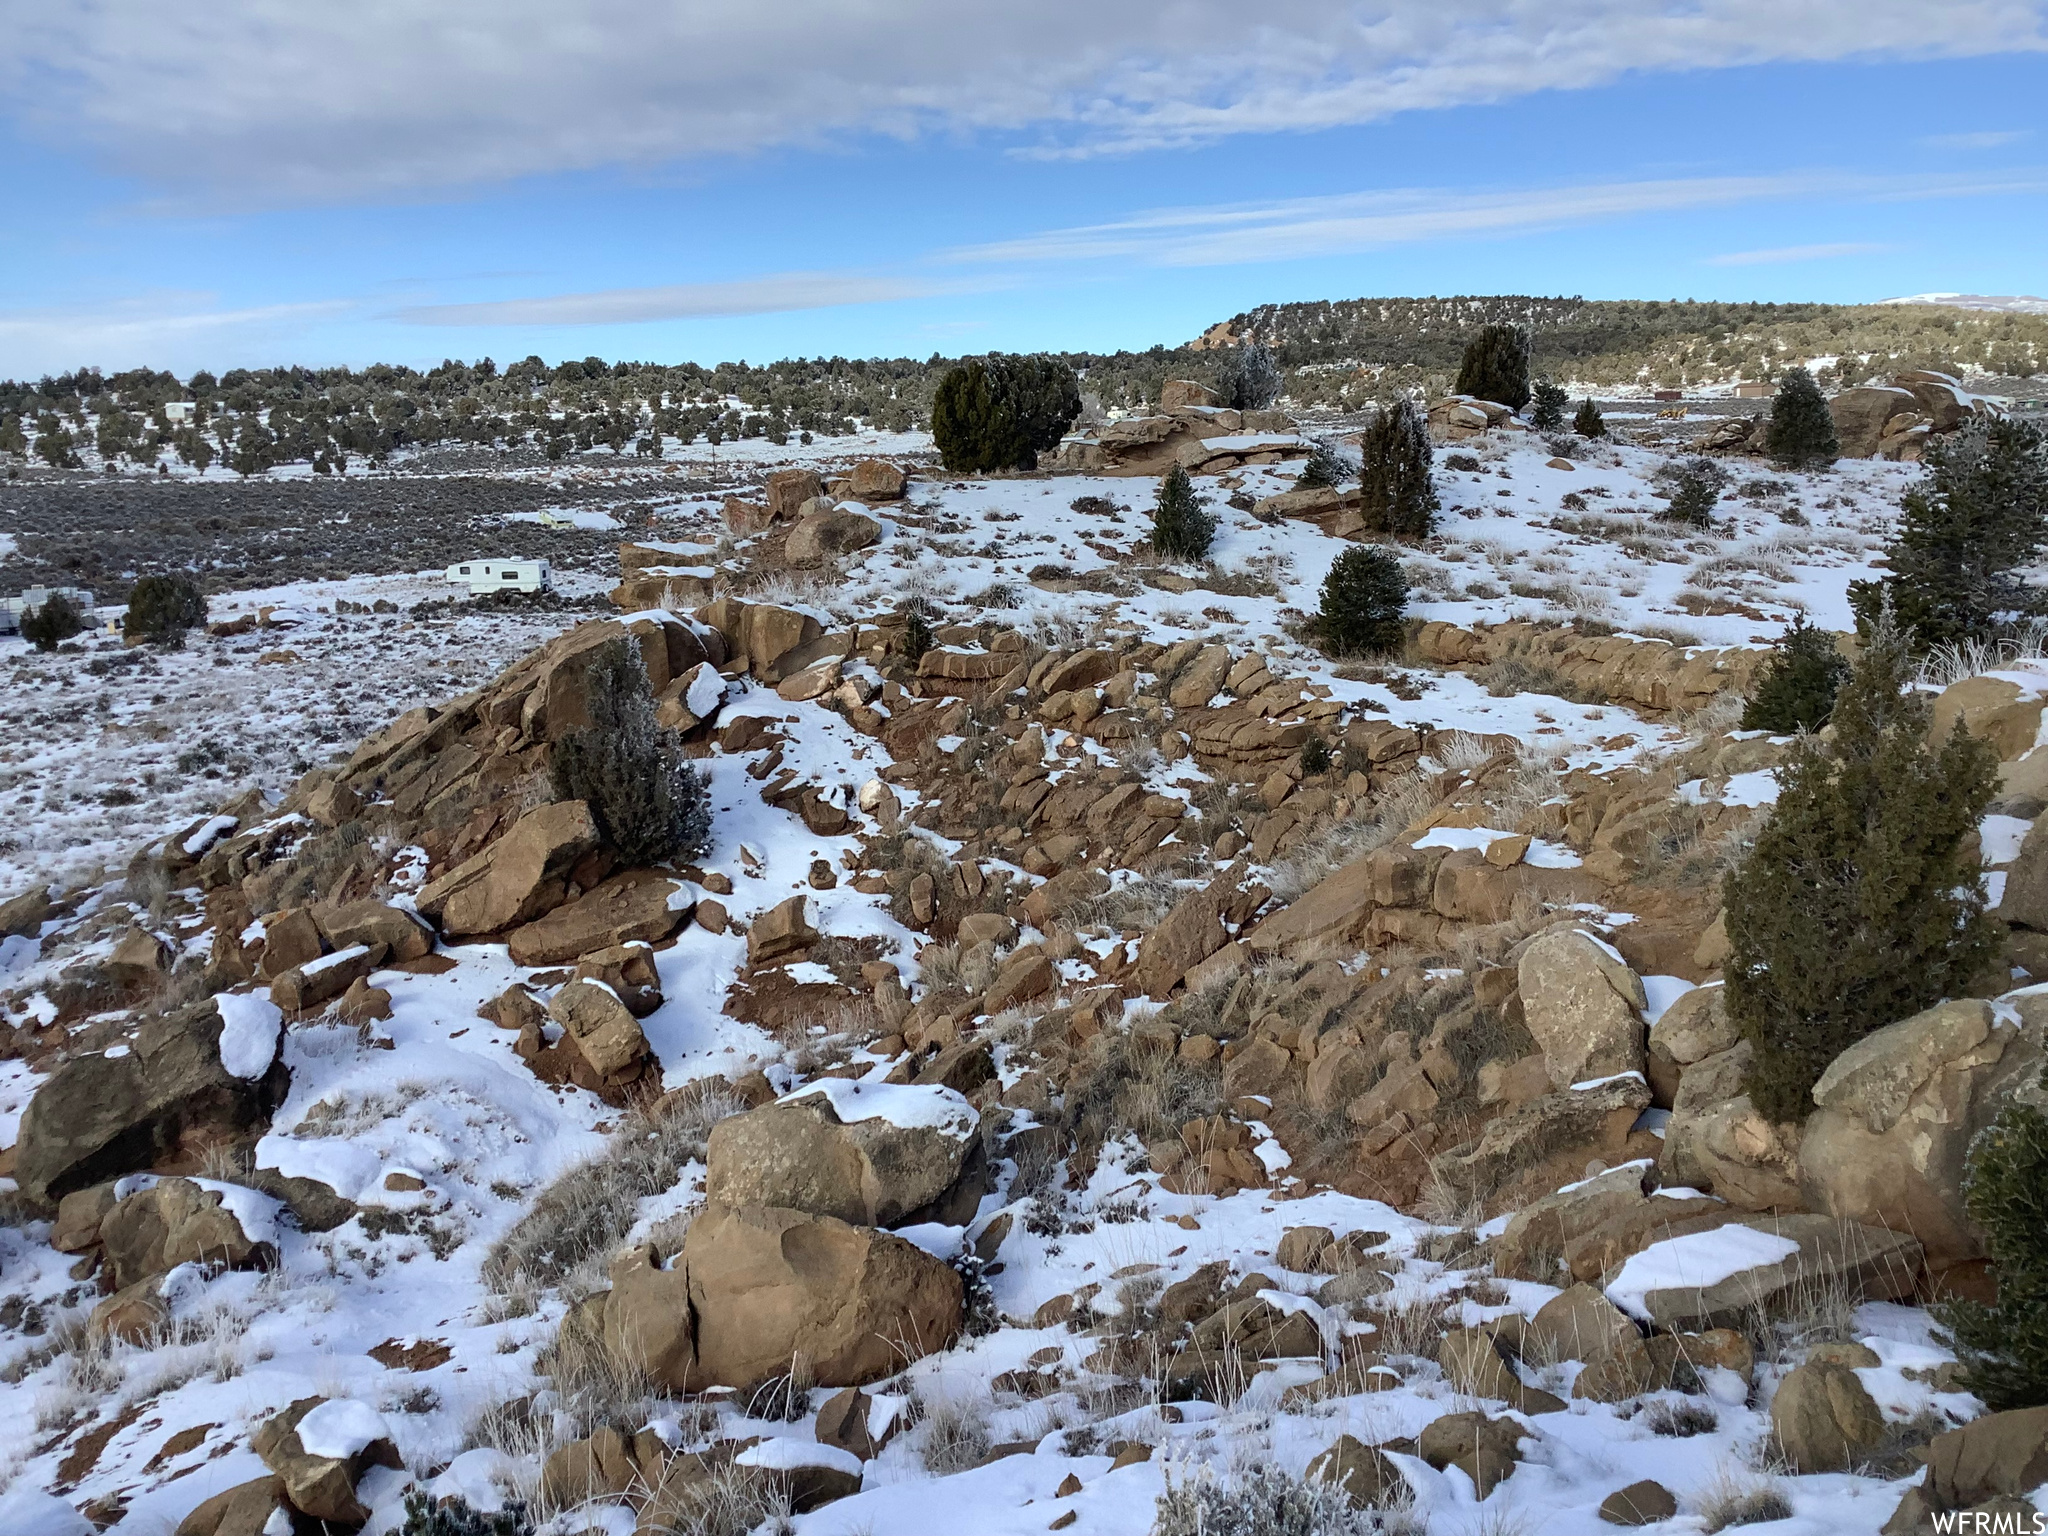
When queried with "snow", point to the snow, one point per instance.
{"points": [[249, 1025], [904, 1105], [341, 1427], [1694, 1261], [211, 832], [1749, 790], [786, 1453], [347, 956], [574, 517], [1661, 992], [2001, 837], [706, 691]]}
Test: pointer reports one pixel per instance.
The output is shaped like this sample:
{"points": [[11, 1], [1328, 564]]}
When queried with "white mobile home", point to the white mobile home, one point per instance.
{"points": [[12, 608], [482, 576]]}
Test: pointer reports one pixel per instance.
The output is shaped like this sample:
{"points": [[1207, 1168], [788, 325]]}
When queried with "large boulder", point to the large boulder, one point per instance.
{"points": [[1583, 1005], [783, 930], [1823, 1418], [820, 535], [1860, 416], [873, 1154], [1761, 1266], [1899, 1109], [320, 1448], [638, 905], [161, 1105], [789, 489], [1559, 1130], [769, 1286], [1717, 1139], [873, 480], [176, 1221], [371, 924], [1999, 1457], [606, 1034], [518, 878]]}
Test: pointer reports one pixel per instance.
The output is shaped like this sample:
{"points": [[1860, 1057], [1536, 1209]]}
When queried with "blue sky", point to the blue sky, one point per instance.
{"points": [[257, 183]]}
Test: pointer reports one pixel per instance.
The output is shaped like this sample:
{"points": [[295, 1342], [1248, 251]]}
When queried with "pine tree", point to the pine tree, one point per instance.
{"points": [[1861, 902], [1802, 432], [1396, 494], [1694, 485], [1549, 403], [1251, 379], [1496, 366], [1365, 601], [1325, 467], [1000, 412], [647, 800], [50, 624], [2003, 1347], [1964, 534], [1798, 687], [1182, 528], [162, 608], [1587, 421]]}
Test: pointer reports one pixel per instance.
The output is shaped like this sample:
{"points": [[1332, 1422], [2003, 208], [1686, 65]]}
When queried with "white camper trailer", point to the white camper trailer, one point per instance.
{"points": [[486, 576], [12, 608]]}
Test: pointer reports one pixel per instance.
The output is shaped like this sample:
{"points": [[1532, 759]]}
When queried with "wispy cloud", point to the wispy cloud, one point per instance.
{"points": [[769, 294], [1987, 140], [1785, 253], [1231, 233], [163, 327], [268, 101]]}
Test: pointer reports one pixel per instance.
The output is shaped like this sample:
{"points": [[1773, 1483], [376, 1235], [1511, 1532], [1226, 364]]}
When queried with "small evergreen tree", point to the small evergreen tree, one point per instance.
{"points": [[1802, 432], [1694, 486], [1182, 528], [1496, 366], [1251, 379], [1365, 603], [1000, 412], [2003, 1347], [1965, 532], [1549, 403], [48, 626], [162, 608], [1587, 420], [1861, 902], [1798, 687], [1397, 496], [1325, 467], [455, 1516], [917, 626], [647, 800]]}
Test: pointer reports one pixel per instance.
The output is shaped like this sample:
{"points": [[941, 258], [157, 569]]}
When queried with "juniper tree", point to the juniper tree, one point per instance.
{"points": [[162, 608], [52, 622], [1860, 902], [1799, 684], [649, 803], [1802, 432], [1966, 530], [1694, 485], [1396, 493], [1182, 528], [1251, 379], [1549, 402], [1587, 421], [1001, 412], [1496, 366], [1325, 467], [1365, 603], [2003, 1346]]}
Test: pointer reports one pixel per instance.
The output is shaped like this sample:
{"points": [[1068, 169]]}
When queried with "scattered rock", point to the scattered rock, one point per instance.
{"points": [[1583, 1006], [320, 1448], [1643, 1503], [1485, 1449], [516, 879], [1823, 1418]]}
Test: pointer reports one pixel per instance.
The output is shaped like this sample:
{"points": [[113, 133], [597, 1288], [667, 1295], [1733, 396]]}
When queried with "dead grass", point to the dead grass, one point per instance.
{"points": [[1342, 841], [1739, 1497]]}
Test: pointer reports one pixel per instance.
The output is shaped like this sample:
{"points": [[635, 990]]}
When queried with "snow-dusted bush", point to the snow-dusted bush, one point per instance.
{"points": [[2004, 1346], [1001, 412], [162, 608], [1182, 528], [1259, 1500], [649, 802], [1251, 379], [1397, 494]]}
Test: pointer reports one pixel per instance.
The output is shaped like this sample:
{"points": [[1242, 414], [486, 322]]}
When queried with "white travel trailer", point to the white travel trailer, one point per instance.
{"points": [[484, 576], [12, 608]]}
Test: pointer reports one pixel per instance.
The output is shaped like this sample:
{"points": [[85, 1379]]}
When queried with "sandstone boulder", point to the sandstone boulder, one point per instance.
{"points": [[319, 982], [606, 1034], [1899, 1109], [1583, 1005], [247, 1509], [1181, 393], [518, 878], [770, 1285], [23, 916], [789, 489], [1717, 1140], [1578, 1323], [371, 924], [638, 906], [781, 931], [162, 1104], [1643, 1503], [1860, 416], [2001, 1455], [175, 1221], [1760, 1266], [871, 1154], [1485, 1449], [1823, 1418], [320, 1448], [873, 480], [818, 536], [1367, 1475]]}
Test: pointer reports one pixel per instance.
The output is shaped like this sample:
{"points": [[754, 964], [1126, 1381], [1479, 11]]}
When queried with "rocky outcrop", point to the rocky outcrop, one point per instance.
{"points": [[1898, 420], [820, 535], [1652, 675], [1899, 1109], [159, 1106], [1789, 1258], [1717, 1140], [870, 1154], [173, 1222], [638, 906], [1823, 1418], [319, 1448]]}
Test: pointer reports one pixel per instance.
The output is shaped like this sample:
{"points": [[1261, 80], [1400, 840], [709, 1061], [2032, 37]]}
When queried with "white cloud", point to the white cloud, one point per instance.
{"points": [[1987, 140], [275, 100], [1785, 253], [173, 330], [769, 294], [1228, 234]]}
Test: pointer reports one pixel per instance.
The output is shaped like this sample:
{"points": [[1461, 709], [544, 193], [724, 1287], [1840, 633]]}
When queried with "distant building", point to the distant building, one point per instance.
{"points": [[12, 608], [178, 412], [1668, 394], [1755, 389], [482, 576]]}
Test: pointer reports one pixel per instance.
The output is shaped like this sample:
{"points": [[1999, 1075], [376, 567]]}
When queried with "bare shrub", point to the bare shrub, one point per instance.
{"points": [[1736, 1497], [1259, 1499], [955, 1434]]}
